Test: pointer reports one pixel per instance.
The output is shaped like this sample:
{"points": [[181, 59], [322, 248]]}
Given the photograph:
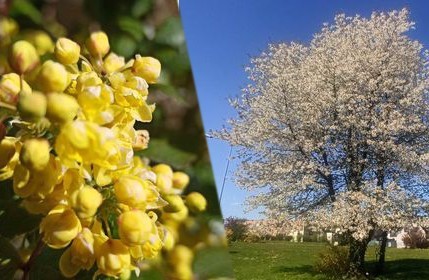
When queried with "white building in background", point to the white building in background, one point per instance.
{"points": [[395, 239]]}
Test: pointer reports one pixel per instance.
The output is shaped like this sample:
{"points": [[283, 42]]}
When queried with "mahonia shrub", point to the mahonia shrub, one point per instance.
{"points": [[68, 144], [333, 262]]}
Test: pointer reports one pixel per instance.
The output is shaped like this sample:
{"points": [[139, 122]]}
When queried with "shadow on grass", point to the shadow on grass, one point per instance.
{"points": [[404, 269], [409, 269], [296, 270]]}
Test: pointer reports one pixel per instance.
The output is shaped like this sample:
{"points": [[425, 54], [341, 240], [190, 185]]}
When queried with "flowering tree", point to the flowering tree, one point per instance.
{"points": [[338, 129]]}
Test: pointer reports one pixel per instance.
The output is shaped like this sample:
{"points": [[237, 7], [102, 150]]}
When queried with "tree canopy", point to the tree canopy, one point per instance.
{"points": [[336, 131]]}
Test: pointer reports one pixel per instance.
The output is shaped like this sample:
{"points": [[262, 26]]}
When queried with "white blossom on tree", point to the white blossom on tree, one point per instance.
{"points": [[338, 128]]}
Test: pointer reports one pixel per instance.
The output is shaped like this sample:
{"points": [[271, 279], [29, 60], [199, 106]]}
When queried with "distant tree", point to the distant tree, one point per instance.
{"points": [[236, 228], [337, 131], [416, 238]]}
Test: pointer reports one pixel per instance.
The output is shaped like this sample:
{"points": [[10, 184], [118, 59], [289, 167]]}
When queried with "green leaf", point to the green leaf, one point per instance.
{"points": [[141, 8], [171, 33], [124, 45], [161, 151], [113, 225], [9, 259], [132, 26], [26, 8], [46, 265], [14, 219]]}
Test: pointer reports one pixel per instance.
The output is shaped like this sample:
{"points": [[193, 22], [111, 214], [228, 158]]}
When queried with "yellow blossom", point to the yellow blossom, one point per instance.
{"points": [[37, 183], [80, 255], [113, 258], [196, 202], [67, 51], [8, 28], [40, 40], [61, 107], [35, 154], [60, 227], [135, 227], [32, 106], [52, 77], [135, 192], [113, 63], [10, 86], [98, 44], [9, 149], [148, 68], [76, 142], [180, 180], [86, 201], [23, 57], [36, 204], [175, 203]]}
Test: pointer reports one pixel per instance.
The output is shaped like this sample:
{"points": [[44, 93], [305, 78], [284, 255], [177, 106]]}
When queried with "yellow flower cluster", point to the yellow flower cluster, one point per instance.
{"points": [[71, 156]]}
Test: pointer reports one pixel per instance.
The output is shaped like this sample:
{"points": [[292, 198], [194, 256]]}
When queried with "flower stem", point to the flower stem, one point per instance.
{"points": [[36, 252]]}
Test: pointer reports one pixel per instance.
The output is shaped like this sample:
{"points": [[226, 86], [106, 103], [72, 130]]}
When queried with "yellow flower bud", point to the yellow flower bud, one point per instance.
{"points": [[39, 184], [180, 180], [61, 107], [86, 201], [32, 106], [7, 151], [113, 258], [10, 86], [175, 203], [180, 255], [52, 77], [164, 183], [40, 40], [196, 202], [163, 169], [23, 57], [35, 154], [60, 227], [177, 216], [67, 51], [113, 62], [98, 44], [181, 272], [135, 192], [135, 227], [67, 267], [167, 239], [80, 255], [21, 177], [148, 68], [8, 28]]}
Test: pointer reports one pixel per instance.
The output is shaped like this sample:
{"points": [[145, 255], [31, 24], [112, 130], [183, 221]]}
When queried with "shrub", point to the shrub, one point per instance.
{"points": [[333, 262]]}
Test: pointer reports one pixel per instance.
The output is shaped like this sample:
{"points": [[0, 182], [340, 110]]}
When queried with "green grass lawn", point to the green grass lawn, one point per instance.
{"points": [[288, 260]]}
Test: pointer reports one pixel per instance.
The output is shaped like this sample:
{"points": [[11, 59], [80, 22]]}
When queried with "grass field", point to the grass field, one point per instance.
{"points": [[290, 261]]}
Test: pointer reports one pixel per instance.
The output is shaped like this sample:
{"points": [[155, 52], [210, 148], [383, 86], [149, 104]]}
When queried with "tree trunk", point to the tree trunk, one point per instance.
{"points": [[357, 252], [382, 254], [357, 255]]}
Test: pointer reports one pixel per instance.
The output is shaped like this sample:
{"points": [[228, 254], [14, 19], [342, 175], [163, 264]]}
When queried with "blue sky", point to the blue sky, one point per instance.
{"points": [[222, 34]]}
